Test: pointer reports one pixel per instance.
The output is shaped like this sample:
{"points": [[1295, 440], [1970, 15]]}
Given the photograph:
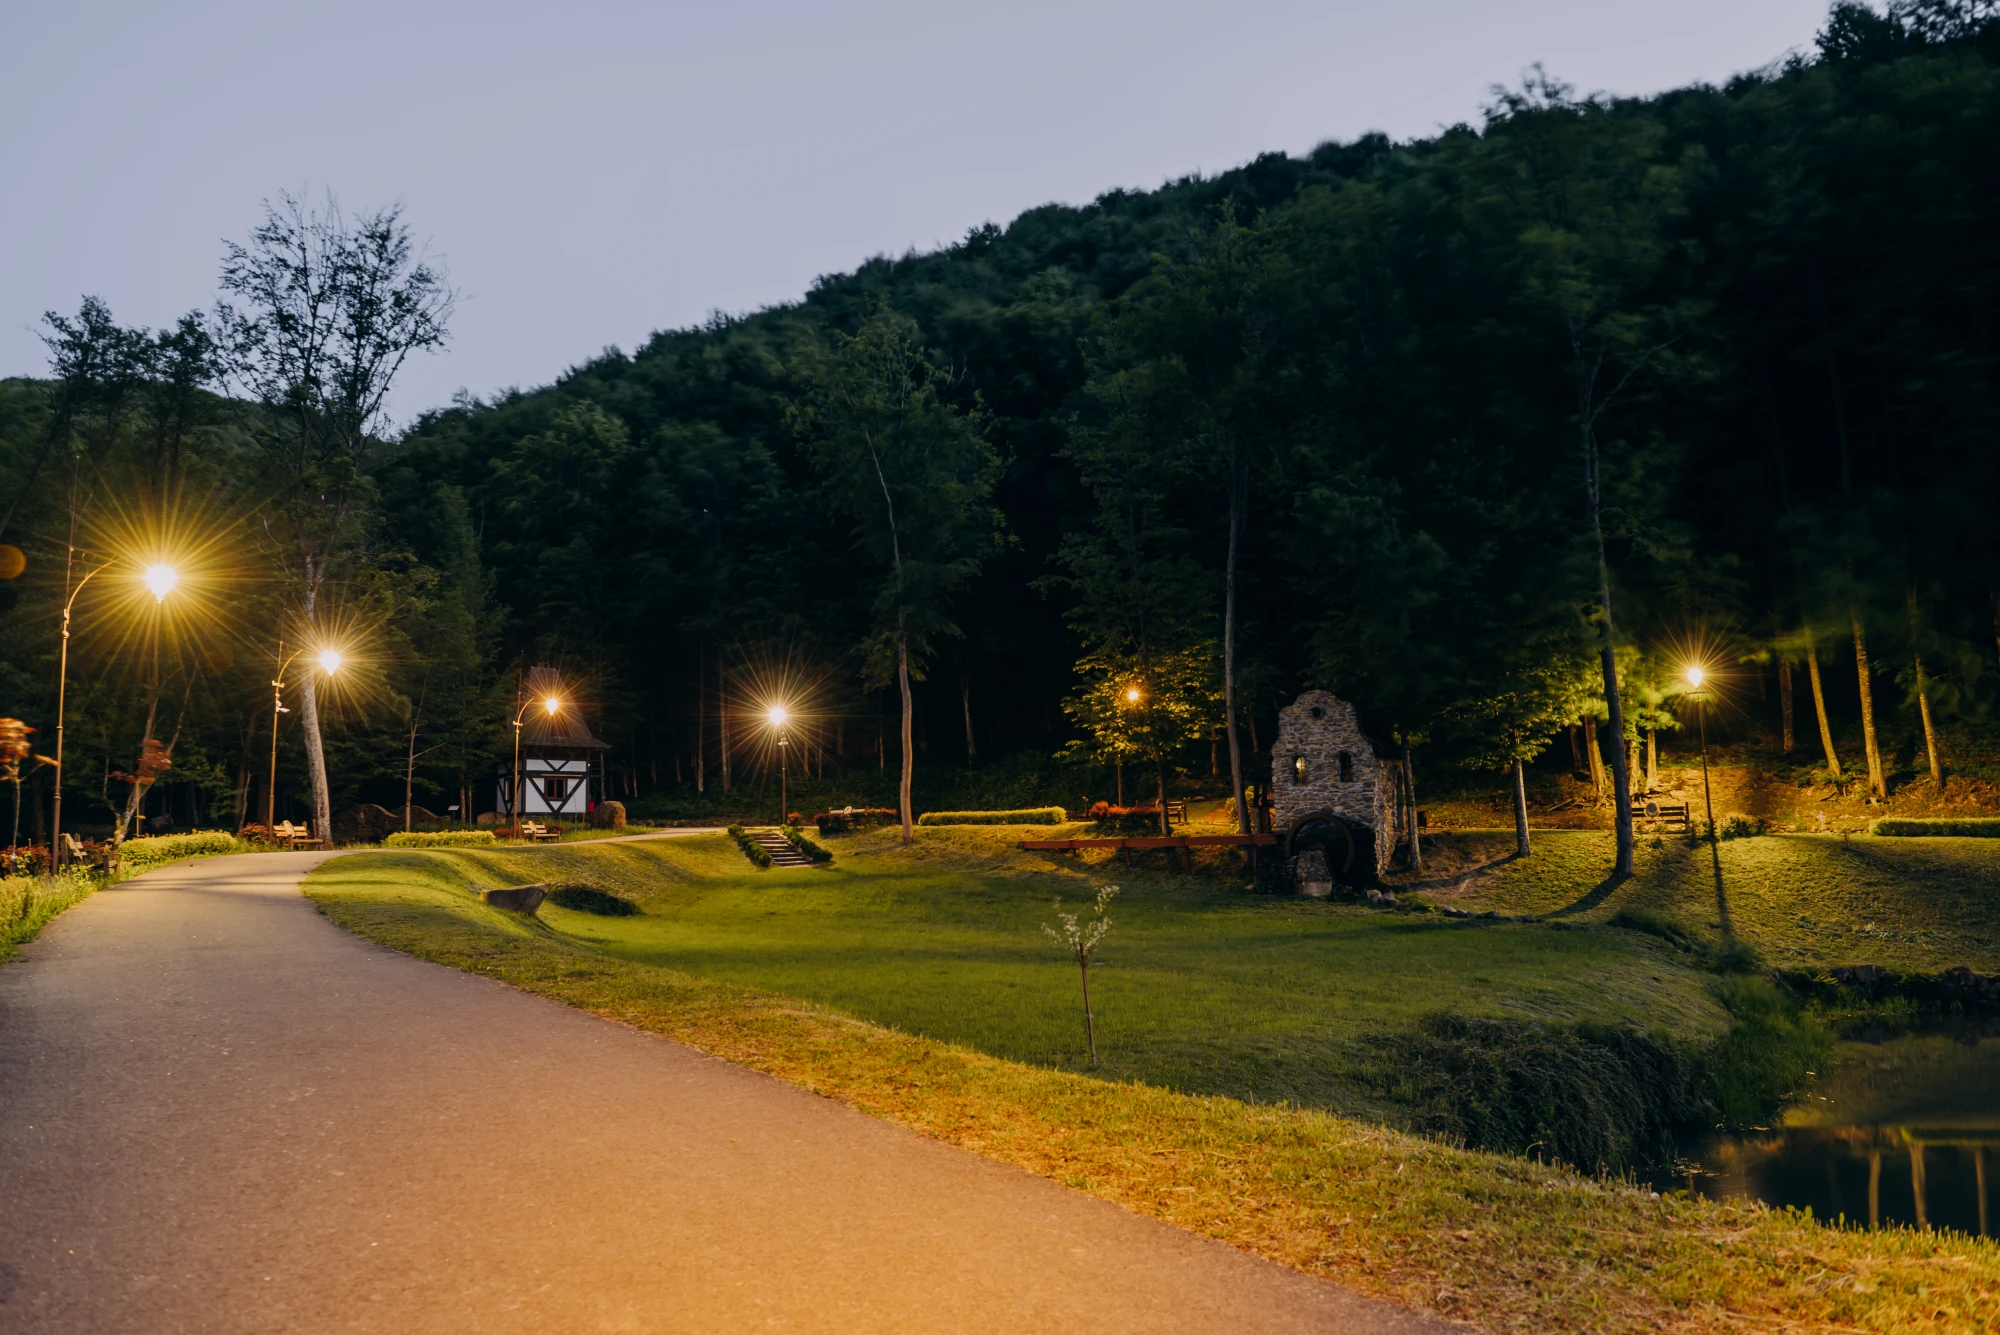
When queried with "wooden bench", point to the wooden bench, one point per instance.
{"points": [[284, 832], [73, 852], [1667, 813], [1177, 811], [539, 832]]}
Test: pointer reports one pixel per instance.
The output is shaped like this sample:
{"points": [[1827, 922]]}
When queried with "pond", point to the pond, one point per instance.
{"points": [[1901, 1129]]}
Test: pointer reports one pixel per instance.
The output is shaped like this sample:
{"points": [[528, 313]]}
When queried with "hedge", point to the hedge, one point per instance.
{"points": [[806, 845], [152, 850], [751, 848], [1028, 816], [1964, 827], [437, 838]]}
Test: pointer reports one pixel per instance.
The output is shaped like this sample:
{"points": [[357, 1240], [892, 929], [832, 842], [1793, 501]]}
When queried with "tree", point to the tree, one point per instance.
{"points": [[1594, 197], [326, 310], [913, 472], [1149, 709], [1081, 940]]}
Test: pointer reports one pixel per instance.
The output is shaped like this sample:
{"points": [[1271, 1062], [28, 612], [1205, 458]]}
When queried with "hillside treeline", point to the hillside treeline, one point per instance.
{"points": [[1494, 432]]}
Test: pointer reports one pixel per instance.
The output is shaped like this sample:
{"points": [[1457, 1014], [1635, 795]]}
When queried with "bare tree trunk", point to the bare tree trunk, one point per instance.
{"points": [[1593, 754], [722, 716], [965, 698], [1819, 705], [1652, 759], [909, 755], [1416, 831], [1786, 732], [1575, 750], [1876, 784], [1160, 772], [1621, 778], [1229, 653], [1120, 770], [1520, 809], [700, 718], [322, 798], [1993, 597], [1930, 732]]}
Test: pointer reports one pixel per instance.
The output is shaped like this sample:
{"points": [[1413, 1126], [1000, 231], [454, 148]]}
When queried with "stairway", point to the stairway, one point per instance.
{"points": [[780, 848]]}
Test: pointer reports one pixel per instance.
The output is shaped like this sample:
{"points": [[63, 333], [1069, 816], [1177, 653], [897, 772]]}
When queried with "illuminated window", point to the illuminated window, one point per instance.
{"points": [[1298, 769]]}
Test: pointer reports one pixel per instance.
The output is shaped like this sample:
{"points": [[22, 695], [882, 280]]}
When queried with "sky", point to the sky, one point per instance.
{"points": [[593, 171]]}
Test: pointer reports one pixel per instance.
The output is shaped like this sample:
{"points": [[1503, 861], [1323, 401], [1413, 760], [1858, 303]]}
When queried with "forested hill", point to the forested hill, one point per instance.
{"points": [[1718, 364], [646, 504]]}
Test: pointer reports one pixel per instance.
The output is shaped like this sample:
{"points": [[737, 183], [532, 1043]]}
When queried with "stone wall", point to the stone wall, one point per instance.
{"points": [[1321, 761]]}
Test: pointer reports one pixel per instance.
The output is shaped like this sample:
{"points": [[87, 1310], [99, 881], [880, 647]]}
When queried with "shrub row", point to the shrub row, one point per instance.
{"points": [[855, 818], [1026, 816], [751, 848], [805, 844], [153, 850], [1964, 827], [437, 838]]}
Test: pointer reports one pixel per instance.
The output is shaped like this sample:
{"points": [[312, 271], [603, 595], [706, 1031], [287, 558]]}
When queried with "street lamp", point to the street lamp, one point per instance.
{"points": [[777, 717], [553, 706], [160, 580], [1695, 676], [329, 662]]}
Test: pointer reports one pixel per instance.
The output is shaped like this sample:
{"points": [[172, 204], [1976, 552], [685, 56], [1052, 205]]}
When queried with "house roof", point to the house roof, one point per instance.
{"points": [[563, 730]]}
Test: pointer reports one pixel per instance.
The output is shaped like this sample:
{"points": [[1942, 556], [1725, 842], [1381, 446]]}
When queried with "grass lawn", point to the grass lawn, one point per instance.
{"points": [[1803, 900], [1204, 988], [1201, 987]]}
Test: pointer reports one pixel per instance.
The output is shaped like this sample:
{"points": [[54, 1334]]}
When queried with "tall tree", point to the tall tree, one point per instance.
{"points": [[913, 471], [326, 309]]}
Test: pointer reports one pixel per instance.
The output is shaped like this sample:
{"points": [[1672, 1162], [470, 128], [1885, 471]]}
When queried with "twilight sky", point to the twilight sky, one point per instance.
{"points": [[598, 169]]}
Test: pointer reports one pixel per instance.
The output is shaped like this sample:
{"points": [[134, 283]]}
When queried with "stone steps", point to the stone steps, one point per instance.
{"points": [[780, 848]]}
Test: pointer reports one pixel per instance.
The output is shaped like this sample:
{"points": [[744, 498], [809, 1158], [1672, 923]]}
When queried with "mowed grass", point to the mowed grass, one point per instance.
{"points": [[1499, 1242], [1200, 986], [1803, 900]]}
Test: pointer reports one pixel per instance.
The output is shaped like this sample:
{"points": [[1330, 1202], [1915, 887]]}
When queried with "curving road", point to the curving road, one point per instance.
{"points": [[220, 1113]]}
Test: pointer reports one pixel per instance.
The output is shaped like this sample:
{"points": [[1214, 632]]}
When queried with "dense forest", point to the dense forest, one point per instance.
{"points": [[1492, 432]]}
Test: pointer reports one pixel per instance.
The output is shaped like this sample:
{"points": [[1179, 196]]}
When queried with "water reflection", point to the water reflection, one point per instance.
{"points": [[1900, 1131]]}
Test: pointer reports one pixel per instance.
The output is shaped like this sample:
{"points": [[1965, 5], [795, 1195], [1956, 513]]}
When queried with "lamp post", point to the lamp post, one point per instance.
{"points": [[553, 706], [1694, 677], [778, 717], [159, 580], [329, 661]]}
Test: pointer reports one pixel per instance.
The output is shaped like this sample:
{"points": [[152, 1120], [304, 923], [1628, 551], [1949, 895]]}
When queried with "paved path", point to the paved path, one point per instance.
{"points": [[218, 1112]]}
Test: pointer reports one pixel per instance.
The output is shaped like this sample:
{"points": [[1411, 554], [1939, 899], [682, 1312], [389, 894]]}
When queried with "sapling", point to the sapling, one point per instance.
{"points": [[1081, 940]]}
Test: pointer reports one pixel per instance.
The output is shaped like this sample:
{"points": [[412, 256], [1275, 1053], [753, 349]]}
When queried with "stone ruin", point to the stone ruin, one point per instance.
{"points": [[1337, 804]]}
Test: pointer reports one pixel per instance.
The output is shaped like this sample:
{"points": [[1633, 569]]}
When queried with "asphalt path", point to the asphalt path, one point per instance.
{"points": [[220, 1113]]}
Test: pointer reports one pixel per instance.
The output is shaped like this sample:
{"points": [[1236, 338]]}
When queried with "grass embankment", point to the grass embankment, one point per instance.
{"points": [[1490, 1239], [1802, 901]]}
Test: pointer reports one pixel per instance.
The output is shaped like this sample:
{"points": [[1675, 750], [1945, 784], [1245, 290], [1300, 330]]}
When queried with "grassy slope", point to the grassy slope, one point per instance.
{"points": [[1202, 988], [1496, 1241], [1804, 901]]}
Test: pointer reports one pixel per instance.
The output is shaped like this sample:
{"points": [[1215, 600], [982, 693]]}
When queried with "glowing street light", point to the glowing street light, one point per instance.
{"points": [[1695, 676], [329, 661], [551, 705], [159, 580], [1132, 694]]}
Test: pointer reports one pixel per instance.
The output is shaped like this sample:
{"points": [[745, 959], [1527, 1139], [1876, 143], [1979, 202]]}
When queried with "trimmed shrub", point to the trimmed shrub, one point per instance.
{"points": [[589, 899], [153, 850], [1113, 820], [1964, 827], [804, 843], [437, 838], [1736, 825], [1027, 816], [751, 848], [856, 818]]}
